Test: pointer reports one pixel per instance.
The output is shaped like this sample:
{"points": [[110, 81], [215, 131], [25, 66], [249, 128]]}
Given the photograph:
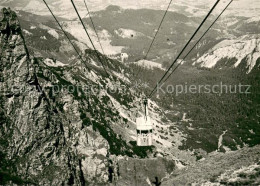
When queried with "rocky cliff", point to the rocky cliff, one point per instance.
{"points": [[233, 53], [42, 141]]}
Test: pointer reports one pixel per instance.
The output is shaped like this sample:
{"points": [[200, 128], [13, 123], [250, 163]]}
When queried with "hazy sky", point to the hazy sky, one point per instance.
{"points": [[248, 8], [241, 5]]}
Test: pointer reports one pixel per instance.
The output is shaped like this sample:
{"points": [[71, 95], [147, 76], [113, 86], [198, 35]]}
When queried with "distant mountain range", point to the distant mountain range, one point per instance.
{"points": [[246, 8], [131, 31]]}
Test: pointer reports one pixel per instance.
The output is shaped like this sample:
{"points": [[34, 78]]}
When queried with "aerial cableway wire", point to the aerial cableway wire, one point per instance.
{"points": [[157, 31], [98, 56], [198, 41], [197, 30], [66, 35], [92, 22]]}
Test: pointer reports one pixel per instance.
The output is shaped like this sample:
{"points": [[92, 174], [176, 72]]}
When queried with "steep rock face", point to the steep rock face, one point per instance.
{"points": [[243, 48], [38, 142]]}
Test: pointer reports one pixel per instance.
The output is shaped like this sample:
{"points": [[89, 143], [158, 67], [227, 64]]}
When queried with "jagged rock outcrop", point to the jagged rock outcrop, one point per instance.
{"points": [[233, 53], [40, 143]]}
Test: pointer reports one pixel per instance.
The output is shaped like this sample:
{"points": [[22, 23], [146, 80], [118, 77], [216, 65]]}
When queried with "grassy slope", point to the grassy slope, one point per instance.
{"points": [[213, 166]]}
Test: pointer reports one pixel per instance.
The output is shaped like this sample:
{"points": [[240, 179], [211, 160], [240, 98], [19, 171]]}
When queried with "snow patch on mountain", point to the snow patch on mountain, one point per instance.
{"points": [[50, 62], [76, 29], [149, 64], [245, 47], [253, 19], [53, 33], [128, 33], [109, 49], [27, 32], [43, 37], [220, 140]]}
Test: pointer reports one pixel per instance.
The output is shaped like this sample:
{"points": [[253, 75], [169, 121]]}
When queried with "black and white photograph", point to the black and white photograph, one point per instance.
{"points": [[130, 92]]}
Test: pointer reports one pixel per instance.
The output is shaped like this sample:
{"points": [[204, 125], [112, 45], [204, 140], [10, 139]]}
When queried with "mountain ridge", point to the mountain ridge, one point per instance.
{"points": [[191, 8]]}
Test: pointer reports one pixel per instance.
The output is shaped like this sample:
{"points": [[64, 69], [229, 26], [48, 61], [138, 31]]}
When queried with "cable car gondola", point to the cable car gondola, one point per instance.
{"points": [[144, 128]]}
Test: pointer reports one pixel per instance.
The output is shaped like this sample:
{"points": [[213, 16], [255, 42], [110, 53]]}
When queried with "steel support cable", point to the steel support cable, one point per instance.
{"points": [[66, 35], [157, 31], [98, 56], [78, 53], [198, 41], [197, 30], [92, 22]]}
